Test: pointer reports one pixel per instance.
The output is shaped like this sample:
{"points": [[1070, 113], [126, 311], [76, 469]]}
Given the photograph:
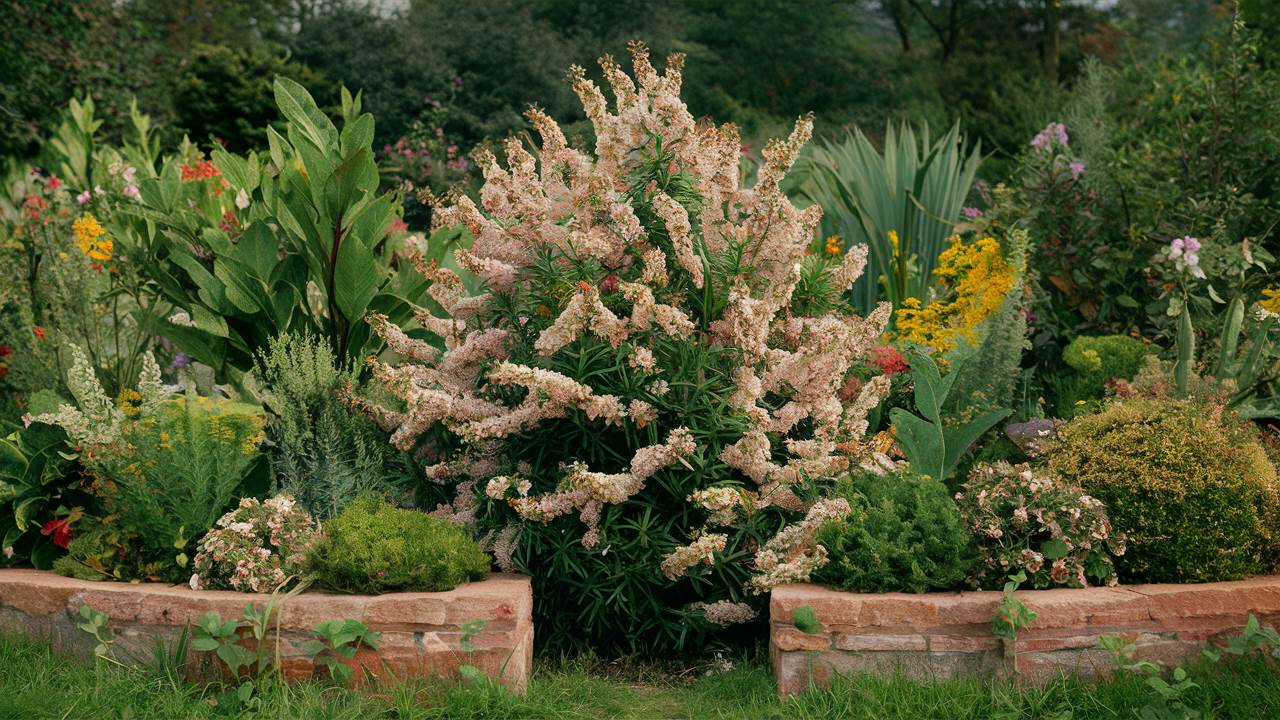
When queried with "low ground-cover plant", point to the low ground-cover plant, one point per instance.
{"points": [[41, 492], [1025, 521], [1190, 486], [903, 534], [372, 547], [647, 392], [258, 547]]}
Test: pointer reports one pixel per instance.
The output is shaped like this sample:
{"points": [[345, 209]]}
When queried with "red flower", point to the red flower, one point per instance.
{"points": [[5, 351], [4, 372], [39, 332], [54, 182], [60, 529], [888, 360]]}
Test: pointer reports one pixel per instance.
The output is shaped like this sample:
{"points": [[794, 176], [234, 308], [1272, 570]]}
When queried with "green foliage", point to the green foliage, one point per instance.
{"points": [[338, 641], [374, 548], [165, 468], [806, 620], [1194, 492], [904, 534], [1097, 360], [306, 249], [95, 623], [37, 483], [914, 188], [934, 444], [323, 455], [225, 93]]}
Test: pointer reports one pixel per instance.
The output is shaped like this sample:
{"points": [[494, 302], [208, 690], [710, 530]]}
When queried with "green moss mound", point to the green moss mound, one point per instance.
{"points": [[904, 534], [1194, 491], [374, 548], [1096, 360]]}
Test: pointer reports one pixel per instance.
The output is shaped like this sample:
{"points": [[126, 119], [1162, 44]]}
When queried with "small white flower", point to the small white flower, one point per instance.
{"points": [[195, 581], [242, 199]]}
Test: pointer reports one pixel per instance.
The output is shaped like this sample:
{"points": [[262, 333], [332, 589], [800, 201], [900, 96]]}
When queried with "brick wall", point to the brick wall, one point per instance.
{"points": [[949, 634], [420, 631]]}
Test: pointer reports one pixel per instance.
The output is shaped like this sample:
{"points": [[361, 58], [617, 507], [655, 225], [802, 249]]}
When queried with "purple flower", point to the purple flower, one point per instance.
{"points": [[180, 360], [1184, 252], [84, 197], [1077, 169], [971, 212], [1052, 134]]}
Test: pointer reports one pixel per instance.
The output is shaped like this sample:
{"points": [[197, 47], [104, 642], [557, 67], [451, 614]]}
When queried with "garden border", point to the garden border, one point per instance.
{"points": [[939, 635], [421, 631]]}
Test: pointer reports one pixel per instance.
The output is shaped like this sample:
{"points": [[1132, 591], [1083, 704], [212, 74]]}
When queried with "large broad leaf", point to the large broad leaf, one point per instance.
{"points": [[13, 462], [921, 442], [298, 107], [958, 439], [356, 278]]}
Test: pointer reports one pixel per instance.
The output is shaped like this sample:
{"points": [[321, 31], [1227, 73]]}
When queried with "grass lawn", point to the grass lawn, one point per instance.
{"points": [[34, 683]]}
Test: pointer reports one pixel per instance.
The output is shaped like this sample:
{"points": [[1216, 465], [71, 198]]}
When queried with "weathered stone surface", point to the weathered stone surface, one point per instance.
{"points": [[421, 632], [949, 634]]}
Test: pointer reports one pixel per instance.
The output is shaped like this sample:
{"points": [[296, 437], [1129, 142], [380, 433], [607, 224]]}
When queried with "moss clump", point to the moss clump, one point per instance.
{"points": [[374, 548], [904, 534], [1193, 490], [1097, 360]]}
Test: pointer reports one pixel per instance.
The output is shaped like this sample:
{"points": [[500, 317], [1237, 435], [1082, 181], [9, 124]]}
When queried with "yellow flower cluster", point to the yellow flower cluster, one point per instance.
{"points": [[89, 237], [975, 280], [834, 245], [1271, 300]]}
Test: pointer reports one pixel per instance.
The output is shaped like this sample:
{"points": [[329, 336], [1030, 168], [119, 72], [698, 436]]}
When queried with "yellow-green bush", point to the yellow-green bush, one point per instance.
{"points": [[373, 547], [1194, 490]]}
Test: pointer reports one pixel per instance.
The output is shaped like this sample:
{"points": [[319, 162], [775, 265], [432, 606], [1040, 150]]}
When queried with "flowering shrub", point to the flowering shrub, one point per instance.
{"points": [[629, 412], [164, 468], [974, 280], [1022, 520], [257, 547]]}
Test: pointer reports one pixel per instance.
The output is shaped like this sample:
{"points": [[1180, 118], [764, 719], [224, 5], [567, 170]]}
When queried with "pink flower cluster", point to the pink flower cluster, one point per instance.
{"points": [[258, 547], [493, 380], [1023, 520]]}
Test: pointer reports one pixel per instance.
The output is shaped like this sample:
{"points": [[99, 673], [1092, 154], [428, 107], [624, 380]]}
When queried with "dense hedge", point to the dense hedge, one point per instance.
{"points": [[1193, 490]]}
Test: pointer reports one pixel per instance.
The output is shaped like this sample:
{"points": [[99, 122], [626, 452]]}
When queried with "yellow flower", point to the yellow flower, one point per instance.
{"points": [[129, 401], [893, 241], [1271, 301], [834, 245], [89, 237], [974, 280]]}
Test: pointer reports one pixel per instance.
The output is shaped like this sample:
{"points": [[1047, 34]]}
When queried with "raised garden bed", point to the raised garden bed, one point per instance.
{"points": [[938, 635], [421, 632]]}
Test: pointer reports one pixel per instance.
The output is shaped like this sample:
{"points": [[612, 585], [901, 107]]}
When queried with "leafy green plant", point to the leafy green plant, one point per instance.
{"points": [[914, 189], [372, 547], [934, 444], [323, 454], [1012, 617], [1171, 697], [903, 534], [293, 241], [338, 641], [222, 638], [1137, 455], [96, 623], [167, 466], [36, 484], [1096, 360]]}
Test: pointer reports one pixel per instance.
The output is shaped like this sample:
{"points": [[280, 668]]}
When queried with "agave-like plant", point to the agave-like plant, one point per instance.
{"points": [[902, 203]]}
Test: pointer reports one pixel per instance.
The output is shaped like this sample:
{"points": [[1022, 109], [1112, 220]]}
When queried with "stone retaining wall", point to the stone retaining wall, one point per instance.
{"points": [[420, 631], [949, 634]]}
